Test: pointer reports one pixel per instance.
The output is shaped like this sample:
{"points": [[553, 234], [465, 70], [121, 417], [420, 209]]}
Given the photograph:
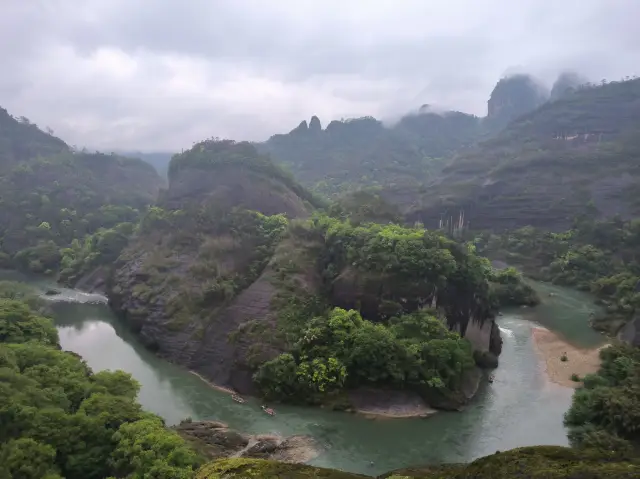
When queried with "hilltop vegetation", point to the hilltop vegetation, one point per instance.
{"points": [[20, 139], [546, 167], [51, 195]]}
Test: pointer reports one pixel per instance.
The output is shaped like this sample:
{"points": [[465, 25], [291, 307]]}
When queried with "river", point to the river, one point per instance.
{"points": [[521, 407]]}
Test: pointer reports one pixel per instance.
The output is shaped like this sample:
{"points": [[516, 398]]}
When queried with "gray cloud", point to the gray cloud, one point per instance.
{"points": [[157, 75]]}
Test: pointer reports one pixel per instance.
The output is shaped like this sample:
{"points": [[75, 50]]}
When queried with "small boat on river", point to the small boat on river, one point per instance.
{"points": [[237, 398], [269, 411], [491, 378]]}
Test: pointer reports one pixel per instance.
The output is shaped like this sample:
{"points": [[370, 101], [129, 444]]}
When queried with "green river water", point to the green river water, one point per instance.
{"points": [[521, 407]]}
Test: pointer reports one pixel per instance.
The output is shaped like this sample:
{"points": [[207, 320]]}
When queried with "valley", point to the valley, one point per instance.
{"points": [[450, 265]]}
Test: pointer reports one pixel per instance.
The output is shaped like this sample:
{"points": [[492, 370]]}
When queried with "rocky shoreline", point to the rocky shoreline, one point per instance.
{"points": [[215, 440]]}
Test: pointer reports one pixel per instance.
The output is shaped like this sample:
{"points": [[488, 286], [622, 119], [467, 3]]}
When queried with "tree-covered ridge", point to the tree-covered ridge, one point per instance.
{"points": [[362, 152], [544, 167], [410, 153], [596, 256], [20, 140], [61, 420], [215, 153], [50, 196], [207, 283]]}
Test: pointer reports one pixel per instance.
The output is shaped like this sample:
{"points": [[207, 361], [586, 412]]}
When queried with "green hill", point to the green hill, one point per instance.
{"points": [[51, 195], [21, 140]]}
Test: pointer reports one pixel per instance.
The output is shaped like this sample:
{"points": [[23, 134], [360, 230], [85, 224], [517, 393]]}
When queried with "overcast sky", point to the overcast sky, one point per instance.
{"points": [[161, 74]]}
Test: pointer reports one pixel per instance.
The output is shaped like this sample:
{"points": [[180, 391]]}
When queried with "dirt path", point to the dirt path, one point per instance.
{"points": [[552, 347]]}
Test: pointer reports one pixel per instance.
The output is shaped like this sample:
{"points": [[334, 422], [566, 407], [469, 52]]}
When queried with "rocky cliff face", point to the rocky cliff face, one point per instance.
{"points": [[512, 97], [197, 271]]}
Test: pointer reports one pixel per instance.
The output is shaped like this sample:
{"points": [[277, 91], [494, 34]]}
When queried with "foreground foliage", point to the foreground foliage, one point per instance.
{"points": [[605, 412], [541, 462], [60, 420]]}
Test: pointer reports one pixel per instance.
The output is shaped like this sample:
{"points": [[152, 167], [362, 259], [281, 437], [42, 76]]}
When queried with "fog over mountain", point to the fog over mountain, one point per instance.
{"points": [[155, 76]]}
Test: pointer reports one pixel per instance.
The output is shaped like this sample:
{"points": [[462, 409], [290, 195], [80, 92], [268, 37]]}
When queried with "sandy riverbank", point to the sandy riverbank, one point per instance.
{"points": [[386, 404], [551, 347]]}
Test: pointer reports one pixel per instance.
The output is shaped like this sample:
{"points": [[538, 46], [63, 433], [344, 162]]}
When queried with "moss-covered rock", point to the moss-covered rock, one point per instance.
{"points": [[541, 462], [256, 468]]}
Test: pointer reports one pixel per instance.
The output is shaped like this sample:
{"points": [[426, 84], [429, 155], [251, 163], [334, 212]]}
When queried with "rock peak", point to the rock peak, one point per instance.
{"points": [[314, 124]]}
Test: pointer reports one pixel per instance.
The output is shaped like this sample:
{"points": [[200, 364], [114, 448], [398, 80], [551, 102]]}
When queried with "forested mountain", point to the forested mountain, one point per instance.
{"points": [[21, 140], [577, 153], [234, 248], [51, 194], [363, 152], [513, 97]]}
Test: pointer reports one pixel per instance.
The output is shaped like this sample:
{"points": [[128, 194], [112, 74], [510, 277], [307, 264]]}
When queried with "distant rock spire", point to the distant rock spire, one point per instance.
{"points": [[301, 128], [515, 96], [315, 125]]}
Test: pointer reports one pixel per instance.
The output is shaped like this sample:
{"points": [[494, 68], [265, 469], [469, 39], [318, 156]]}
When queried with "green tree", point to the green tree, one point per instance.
{"points": [[27, 459], [19, 324], [145, 449]]}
